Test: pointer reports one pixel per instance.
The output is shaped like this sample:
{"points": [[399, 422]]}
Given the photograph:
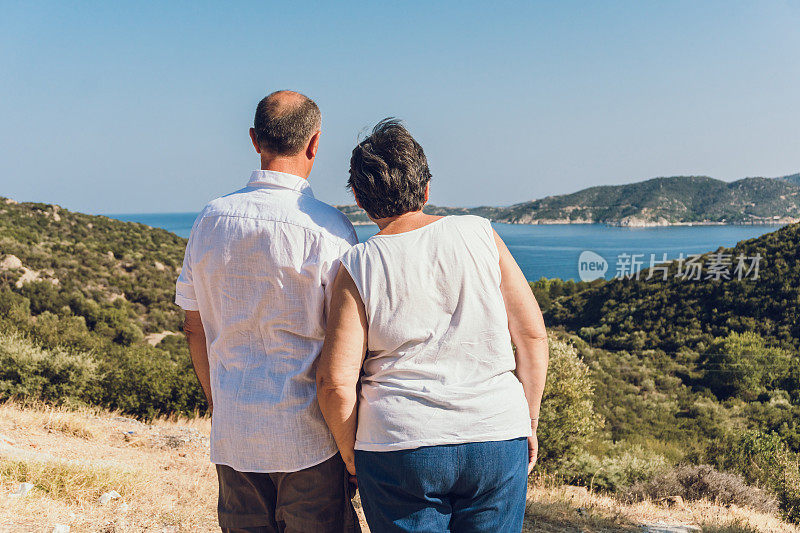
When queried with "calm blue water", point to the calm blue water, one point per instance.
{"points": [[552, 251]]}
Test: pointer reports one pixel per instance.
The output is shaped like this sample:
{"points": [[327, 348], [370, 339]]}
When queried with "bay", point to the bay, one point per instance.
{"points": [[552, 251]]}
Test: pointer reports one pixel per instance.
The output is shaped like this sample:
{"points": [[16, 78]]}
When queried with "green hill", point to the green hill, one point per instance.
{"points": [[658, 201], [732, 340], [680, 314], [693, 199], [793, 178], [99, 291], [704, 370]]}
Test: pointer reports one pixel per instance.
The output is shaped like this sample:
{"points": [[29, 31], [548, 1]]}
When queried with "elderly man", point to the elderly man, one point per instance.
{"points": [[255, 284]]}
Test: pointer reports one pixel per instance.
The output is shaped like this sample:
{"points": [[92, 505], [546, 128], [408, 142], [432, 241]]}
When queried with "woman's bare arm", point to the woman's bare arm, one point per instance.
{"points": [[528, 333], [340, 363]]}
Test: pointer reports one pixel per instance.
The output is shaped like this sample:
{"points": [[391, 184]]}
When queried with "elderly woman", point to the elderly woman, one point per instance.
{"points": [[430, 405]]}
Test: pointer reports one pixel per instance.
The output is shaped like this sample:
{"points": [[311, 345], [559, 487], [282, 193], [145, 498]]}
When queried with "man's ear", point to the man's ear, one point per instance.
{"points": [[427, 191], [313, 144], [255, 141]]}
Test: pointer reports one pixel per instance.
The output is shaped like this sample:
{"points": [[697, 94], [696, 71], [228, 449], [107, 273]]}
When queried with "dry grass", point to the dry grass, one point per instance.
{"points": [[72, 457], [560, 509], [68, 481], [167, 484], [74, 422], [69, 423]]}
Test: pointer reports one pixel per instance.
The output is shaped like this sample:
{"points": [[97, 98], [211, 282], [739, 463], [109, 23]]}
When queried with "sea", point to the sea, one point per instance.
{"points": [[553, 251]]}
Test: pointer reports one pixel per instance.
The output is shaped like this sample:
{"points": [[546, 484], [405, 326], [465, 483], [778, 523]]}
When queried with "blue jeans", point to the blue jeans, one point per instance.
{"points": [[479, 486]]}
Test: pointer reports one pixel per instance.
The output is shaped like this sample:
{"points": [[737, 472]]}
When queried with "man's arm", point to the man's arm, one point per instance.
{"points": [[340, 363], [526, 325], [196, 337]]}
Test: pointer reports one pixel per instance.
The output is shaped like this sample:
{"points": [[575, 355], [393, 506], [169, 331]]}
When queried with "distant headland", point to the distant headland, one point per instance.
{"points": [[666, 201]]}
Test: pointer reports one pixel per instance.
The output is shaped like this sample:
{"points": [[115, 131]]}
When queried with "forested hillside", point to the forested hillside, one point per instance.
{"points": [[734, 341], [99, 292], [793, 178], [692, 199], [680, 313], [694, 369]]}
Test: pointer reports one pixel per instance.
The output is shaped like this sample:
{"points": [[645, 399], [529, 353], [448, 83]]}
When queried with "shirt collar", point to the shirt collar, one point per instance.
{"points": [[279, 180]]}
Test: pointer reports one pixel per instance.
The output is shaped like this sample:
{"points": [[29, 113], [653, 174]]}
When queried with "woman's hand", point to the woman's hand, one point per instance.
{"points": [[350, 465], [526, 326], [533, 450], [339, 366]]}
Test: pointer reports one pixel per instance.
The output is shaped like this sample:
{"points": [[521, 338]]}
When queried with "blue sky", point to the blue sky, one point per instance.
{"points": [[140, 107]]}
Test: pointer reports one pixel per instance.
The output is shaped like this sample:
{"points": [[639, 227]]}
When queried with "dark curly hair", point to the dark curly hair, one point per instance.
{"points": [[389, 171]]}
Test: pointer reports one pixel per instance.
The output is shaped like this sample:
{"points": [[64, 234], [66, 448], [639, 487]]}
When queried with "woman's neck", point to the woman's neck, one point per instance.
{"points": [[405, 222]]}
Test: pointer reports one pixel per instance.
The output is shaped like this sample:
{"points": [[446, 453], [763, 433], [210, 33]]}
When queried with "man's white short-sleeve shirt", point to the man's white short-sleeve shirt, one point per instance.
{"points": [[259, 267]]}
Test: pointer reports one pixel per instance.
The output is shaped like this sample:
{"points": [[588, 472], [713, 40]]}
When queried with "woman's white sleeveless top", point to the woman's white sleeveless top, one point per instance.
{"points": [[440, 366]]}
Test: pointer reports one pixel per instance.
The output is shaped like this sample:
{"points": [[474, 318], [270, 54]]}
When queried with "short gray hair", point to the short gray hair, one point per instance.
{"points": [[389, 172], [285, 121]]}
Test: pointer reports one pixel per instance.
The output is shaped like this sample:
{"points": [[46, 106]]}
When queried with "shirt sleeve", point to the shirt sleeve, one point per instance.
{"points": [[352, 237], [184, 288]]}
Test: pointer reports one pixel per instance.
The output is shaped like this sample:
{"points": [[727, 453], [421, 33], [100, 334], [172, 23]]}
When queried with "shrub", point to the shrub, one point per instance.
{"points": [[703, 482], [616, 469], [146, 382], [764, 459], [55, 376], [743, 366], [139, 380], [567, 420]]}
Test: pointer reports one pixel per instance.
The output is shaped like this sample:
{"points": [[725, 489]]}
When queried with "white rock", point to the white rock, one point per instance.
{"points": [[124, 507], [108, 496], [9, 262], [23, 489], [27, 276], [661, 527], [61, 528]]}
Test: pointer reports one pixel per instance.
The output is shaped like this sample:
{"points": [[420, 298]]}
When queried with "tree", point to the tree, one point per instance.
{"points": [[742, 365], [568, 420]]}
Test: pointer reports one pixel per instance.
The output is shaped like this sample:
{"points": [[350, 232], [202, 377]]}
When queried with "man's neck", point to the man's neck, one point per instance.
{"points": [[285, 165]]}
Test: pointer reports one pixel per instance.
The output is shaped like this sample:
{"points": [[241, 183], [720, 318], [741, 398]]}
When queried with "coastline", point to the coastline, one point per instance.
{"points": [[629, 224]]}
